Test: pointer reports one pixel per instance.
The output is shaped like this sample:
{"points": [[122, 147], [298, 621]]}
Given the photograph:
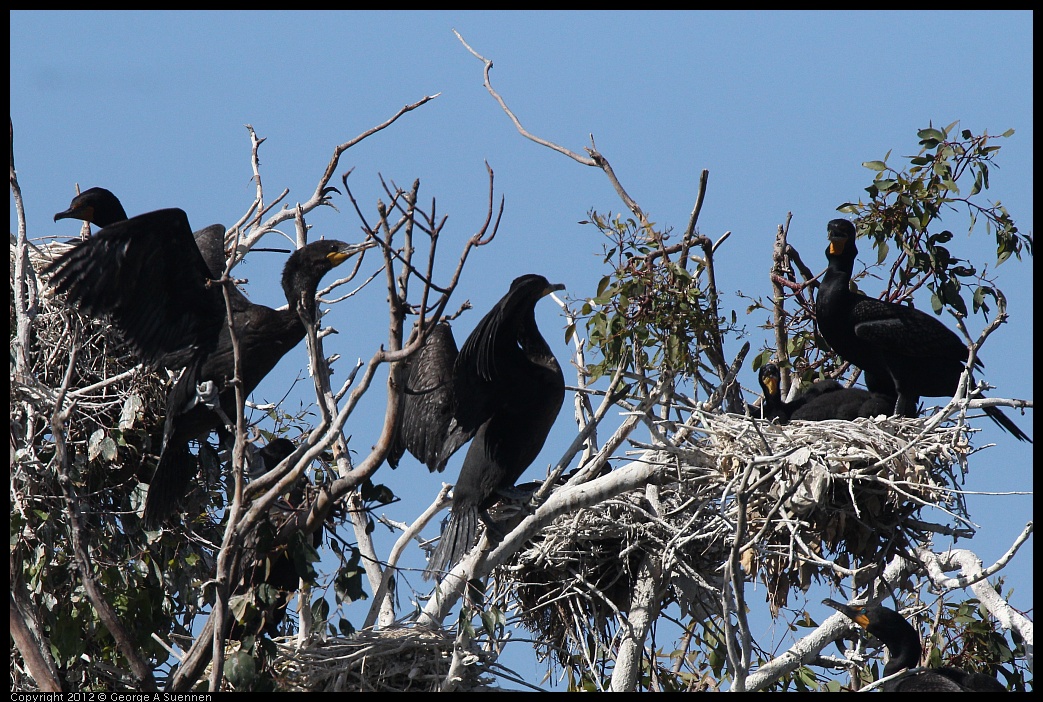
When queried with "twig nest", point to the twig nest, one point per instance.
{"points": [[810, 497], [389, 660]]}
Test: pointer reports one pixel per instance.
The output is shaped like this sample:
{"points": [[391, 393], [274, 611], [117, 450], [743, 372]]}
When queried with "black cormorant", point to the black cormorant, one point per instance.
{"points": [[903, 352], [148, 277], [101, 208], [503, 393], [904, 651]]}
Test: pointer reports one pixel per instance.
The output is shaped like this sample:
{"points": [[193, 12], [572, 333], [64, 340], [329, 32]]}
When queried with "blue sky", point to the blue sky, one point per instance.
{"points": [[780, 107]]}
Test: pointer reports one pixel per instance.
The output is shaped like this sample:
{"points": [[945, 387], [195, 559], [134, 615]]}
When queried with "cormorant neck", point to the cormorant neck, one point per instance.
{"points": [[532, 342], [903, 646], [300, 292]]}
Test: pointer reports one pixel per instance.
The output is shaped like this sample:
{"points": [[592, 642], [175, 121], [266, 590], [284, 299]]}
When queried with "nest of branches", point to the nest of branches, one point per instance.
{"points": [[387, 660], [118, 404], [786, 504]]}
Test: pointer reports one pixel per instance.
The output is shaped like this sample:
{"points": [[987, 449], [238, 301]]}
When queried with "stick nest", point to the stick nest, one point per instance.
{"points": [[388, 660], [788, 505], [117, 419]]}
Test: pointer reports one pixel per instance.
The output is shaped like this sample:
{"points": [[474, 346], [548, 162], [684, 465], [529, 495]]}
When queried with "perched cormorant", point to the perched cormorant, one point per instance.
{"points": [[904, 651], [101, 208], [903, 352], [502, 391], [148, 277]]}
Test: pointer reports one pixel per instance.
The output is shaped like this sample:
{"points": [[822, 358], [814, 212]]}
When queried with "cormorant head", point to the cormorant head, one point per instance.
{"points": [[537, 284], [770, 378], [306, 266], [97, 206], [886, 624], [841, 238]]}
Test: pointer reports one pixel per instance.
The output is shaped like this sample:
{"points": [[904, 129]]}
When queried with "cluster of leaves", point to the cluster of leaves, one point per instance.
{"points": [[905, 204], [650, 313], [971, 639]]}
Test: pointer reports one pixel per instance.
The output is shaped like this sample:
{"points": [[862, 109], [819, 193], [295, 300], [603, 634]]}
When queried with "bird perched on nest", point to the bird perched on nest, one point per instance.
{"points": [[148, 277], [902, 351], [825, 399], [905, 650], [502, 391]]}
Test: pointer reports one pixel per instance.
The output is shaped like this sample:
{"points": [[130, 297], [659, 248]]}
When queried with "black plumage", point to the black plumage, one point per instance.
{"points": [[426, 426], [772, 404], [903, 352], [845, 403], [148, 277], [101, 208], [825, 399], [905, 650], [502, 392]]}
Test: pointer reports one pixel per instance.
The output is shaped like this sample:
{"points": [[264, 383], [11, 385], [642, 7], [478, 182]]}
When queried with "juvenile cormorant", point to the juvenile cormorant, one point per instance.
{"points": [[503, 394], [903, 352], [905, 650], [844, 403], [148, 277], [772, 404], [825, 399]]}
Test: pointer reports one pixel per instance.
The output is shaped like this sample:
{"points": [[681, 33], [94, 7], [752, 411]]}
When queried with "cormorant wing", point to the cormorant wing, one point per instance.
{"points": [[147, 275], [211, 244], [905, 331], [426, 428]]}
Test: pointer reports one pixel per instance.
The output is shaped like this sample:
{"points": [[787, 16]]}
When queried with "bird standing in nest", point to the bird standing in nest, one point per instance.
{"points": [[905, 650], [147, 276], [903, 352], [502, 392]]}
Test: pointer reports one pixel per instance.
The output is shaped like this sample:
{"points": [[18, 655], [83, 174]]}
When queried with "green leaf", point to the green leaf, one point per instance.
{"points": [[875, 165], [936, 303], [931, 134], [882, 250]]}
